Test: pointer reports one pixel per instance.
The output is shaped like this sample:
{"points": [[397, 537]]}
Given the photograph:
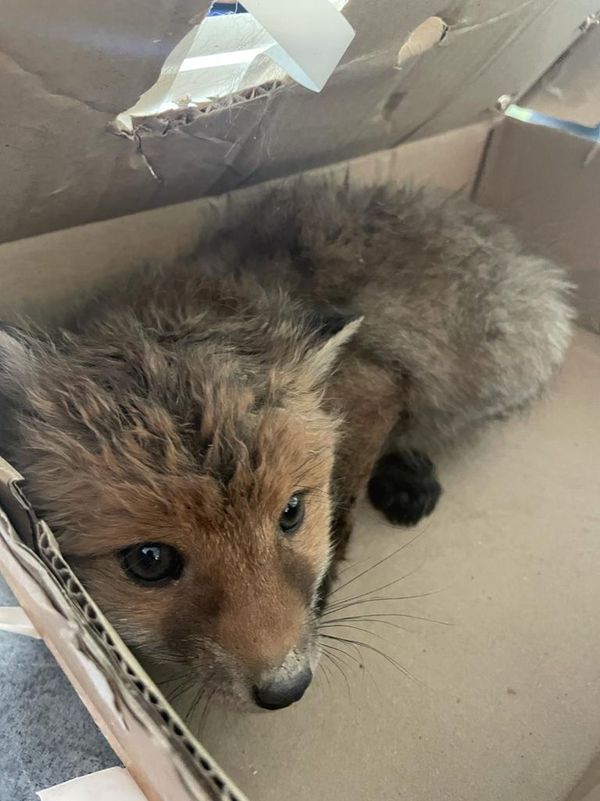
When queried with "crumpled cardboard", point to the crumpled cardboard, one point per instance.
{"points": [[67, 73]]}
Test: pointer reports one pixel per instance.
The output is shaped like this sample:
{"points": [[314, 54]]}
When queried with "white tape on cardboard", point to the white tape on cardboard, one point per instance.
{"points": [[311, 36], [221, 56], [14, 620], [113, 784]]}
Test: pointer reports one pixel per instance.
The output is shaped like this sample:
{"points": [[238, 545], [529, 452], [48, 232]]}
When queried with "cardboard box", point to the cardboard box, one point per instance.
{"points": [[549, 208], [506, 707], [66, 76]]}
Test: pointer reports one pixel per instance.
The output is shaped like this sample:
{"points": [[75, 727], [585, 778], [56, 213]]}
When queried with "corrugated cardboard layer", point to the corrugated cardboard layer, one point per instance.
{"points": [[67, 70]]}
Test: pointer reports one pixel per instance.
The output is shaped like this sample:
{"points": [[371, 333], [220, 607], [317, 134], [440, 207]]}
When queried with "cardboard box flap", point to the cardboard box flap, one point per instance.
{"points": [[67, 74]]}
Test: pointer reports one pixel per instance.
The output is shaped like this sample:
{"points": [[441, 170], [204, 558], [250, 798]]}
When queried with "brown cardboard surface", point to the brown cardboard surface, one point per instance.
{"points": [[40, 276], [64, 70], [588, 787], [505, 705], [545, 183], [67, 71]]}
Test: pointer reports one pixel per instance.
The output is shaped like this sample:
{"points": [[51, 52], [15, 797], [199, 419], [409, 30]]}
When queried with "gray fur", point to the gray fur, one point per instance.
{"points": [[190, 403], [449, 296]]}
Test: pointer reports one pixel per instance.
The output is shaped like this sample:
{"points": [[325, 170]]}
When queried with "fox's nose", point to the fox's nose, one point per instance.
{"points": [[283, 691]]}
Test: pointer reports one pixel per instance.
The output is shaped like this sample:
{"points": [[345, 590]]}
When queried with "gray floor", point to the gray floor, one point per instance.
{"points": [[46, 735]]}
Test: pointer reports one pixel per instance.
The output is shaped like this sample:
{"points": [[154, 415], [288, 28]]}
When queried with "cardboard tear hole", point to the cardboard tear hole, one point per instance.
{"points": [[221, 56], [114, 784], [428, 34]]}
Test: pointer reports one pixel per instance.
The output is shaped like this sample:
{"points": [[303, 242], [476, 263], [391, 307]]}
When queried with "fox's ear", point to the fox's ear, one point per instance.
{"points": [[333, 330]]}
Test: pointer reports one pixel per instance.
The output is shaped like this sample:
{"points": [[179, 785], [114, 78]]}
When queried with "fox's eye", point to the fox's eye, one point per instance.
{"points": [[293, 515], [151, 563]]}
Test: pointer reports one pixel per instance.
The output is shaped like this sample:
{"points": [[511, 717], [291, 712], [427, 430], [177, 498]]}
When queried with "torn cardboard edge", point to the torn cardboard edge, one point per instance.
{"points": [[165, 121], [230, 59], [428, 34], [78, 173]]}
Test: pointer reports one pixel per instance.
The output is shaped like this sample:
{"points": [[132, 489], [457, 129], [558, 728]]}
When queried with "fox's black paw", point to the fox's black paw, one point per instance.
{"points": [[404, 487]]}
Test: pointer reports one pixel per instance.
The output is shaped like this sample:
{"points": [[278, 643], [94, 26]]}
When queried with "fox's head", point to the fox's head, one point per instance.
{"points": [[186, 470]]}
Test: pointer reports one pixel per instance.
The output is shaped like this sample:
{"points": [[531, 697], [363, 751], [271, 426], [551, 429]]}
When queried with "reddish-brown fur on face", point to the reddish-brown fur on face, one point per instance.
{"points": [[148, 428], [244, 587]]}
